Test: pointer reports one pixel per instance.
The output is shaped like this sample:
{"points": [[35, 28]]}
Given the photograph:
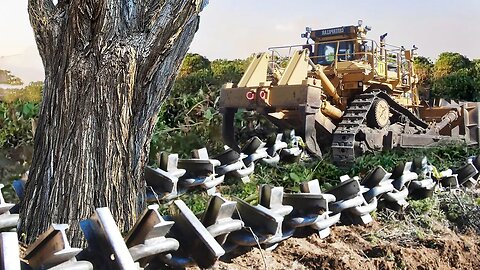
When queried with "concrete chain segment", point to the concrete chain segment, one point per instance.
{"points": [[184, 239]]}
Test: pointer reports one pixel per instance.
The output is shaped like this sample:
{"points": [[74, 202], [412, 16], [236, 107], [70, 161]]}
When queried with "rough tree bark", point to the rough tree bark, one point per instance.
{"points": [[109, 64]]}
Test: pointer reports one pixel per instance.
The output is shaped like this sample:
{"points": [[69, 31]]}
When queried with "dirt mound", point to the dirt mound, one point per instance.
{"points": [[366, 247]]}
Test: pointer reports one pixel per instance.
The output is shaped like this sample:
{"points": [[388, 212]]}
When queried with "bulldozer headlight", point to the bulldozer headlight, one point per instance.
{"points": [[250, 95], [263, 94]]}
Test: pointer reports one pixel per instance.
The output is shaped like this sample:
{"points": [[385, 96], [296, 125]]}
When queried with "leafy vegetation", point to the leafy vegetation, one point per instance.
{"points": [[189, 119], [18, 114], [18, 111], [452, 76], [16, 121], [291, 175], [29, 93]]}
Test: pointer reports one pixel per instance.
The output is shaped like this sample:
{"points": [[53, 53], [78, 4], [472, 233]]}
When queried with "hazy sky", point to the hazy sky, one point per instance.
{"points": [[232, 28], [237, 28]]}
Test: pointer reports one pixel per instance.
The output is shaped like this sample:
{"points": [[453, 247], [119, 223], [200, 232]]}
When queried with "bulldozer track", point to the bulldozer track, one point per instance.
{"points": [[355, 117], [343, 145]]}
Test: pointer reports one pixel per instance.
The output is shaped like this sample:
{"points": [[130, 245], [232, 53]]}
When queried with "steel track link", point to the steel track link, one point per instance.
{"points": [[343, 145]]}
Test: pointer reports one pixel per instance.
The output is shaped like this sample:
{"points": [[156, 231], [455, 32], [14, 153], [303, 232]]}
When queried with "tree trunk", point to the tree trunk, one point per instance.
{"points": [[109, 64]]}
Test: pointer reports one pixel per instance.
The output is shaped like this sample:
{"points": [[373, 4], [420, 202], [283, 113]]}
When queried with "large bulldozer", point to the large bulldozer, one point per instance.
{"points": [[345, 92]]}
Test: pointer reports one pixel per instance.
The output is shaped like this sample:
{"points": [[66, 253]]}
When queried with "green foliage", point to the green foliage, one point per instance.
{"points": [[198, 73], [193, 63], [245, 191], [30, 93], [291, 175], [189, 119], [452, 76], [18, 112], [287, 175], [196, 201], [228, 70], [18, 109], [449, 62], [16, 122], [187, 122], [443, 157], [424, 69], [461, 85], [193, 82], [424, 214], [195, 74], [462, 209], [423, 206]]}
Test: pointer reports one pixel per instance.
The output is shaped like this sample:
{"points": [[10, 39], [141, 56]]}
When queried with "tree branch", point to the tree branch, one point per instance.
{"points": [[164, 28], [161, 20], [45, 7], [155, 79], [114, 18], [41, 13], [45, 19]]}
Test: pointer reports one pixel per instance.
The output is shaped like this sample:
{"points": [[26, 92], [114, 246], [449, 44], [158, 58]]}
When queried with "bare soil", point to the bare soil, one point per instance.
{"points": [[375, 246]]}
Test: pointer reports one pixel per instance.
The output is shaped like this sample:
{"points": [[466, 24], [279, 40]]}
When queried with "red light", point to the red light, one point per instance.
{"points": [[250, 95], [263, 94]]}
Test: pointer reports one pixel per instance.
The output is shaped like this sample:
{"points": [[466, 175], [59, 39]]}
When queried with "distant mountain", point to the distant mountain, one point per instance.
{"points": [[27, 65]]}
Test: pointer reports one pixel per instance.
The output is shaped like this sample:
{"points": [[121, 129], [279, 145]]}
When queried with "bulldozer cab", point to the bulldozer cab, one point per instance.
{"points": [[345, 52], [334, 43]]}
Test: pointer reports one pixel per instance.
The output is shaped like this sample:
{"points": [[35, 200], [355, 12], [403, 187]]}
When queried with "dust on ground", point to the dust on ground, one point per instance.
{"points": [[375, 246]]}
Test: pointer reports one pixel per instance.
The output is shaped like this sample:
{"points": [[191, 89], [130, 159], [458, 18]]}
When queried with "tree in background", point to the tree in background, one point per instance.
{"points": [[195, 74], [192, 63], [449, 62], [189, 119], [424, 70], [30, 93], [6, 77], [476, 68], [455, 77], [458, 85], [228, 70], [452, 76], [108, 67]]}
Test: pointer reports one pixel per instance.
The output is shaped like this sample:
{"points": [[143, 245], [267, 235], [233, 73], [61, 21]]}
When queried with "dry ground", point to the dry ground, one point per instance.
{"points": [[375, 246]]}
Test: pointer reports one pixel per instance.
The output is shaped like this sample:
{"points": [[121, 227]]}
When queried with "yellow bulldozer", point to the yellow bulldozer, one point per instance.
{"points": [[345, 92]]}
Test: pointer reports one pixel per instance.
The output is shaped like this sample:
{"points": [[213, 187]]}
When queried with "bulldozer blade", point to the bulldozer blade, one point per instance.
{"points": [[311, 136], [228, 130]]}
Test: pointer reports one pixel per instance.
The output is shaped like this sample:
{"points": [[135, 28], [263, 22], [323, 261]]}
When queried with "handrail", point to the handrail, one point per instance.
{"points": [[385, 46], [390, 56]]}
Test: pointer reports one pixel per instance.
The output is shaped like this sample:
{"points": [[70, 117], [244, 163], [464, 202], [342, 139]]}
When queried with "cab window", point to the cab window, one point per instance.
{"points": [[326, 52]]}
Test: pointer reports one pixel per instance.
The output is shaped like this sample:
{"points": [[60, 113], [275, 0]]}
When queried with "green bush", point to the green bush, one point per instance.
{"points": [[16, 121], [189, 118], [187, 122]]}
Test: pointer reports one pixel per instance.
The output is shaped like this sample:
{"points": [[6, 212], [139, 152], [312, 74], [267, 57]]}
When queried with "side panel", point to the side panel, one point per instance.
{"points": [[280, 97]]}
